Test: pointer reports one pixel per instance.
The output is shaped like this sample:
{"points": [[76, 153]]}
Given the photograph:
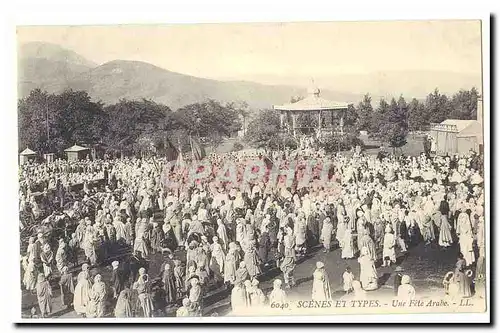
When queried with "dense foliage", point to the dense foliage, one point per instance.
{"points": [[53, 122], [389, 121], [264, 128], [336, 143]]}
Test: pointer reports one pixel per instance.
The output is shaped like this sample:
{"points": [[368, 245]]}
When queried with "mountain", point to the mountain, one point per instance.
{"points": [[53, 68], [48, 66], [134, 80], [53, 52]]}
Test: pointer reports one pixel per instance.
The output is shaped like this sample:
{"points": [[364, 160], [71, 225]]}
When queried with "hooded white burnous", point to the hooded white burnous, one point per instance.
{"points": [[321, 285]]}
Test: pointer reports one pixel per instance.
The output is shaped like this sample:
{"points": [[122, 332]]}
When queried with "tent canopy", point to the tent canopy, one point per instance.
{"points": [[27, 152], [76, 148], [460, 124]]}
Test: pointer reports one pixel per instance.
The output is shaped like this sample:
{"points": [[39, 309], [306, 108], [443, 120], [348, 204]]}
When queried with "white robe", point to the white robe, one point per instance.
{"points": [[321, 286], [82, 293], [238, 299]]}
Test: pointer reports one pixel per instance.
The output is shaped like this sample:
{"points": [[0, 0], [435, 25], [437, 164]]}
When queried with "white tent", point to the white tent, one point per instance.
{"points": [[26, 155], [456, 136]]}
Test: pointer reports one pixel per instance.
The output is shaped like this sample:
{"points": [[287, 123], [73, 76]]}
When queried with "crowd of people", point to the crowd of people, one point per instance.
{"points": [[216, 234]]}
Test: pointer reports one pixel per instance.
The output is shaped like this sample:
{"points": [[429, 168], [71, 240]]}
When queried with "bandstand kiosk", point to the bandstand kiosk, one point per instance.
{"points": [[330, 114]]}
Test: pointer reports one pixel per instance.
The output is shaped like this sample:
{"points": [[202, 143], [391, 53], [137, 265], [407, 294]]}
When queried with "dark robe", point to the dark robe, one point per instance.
{"points": [[168, 280], [156, 238], [264, 246], [44, 296], [169, 241], [273, 233], [179, 272], [67, 289], [463, 281], [403, 232], [312, 233], [117, 281], [73, 251], [216, 275], [397, 282], [444, 207], [158, 298]]}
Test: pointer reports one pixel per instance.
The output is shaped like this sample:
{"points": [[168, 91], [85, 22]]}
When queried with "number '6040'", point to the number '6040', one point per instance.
{"points": [[276, 305]]}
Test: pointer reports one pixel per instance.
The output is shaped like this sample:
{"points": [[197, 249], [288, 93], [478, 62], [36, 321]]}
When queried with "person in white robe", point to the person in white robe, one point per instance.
{"points": [[30, 277], [306, 206], [348, 279], [222, 234], [256, 295], [406, 291], [480, 239], [341, 223], [368, 273], [89, 245], [239, 301], [240, 230], [277, 295], [300, 229], [120, 230], [97, 303], [61, 255], [465, 238], [326, 234], [321, 285], [252, 260], [358, 292], [364, 240], [231, 263], [348, 249], [218, 254], [445, 237], [185, 309], [389, 251], [82, 293], [143, 287]]}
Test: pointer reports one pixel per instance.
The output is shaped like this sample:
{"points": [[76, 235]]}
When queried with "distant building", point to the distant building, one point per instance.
{"points": [[454, 136], [27, 155], [49, 158], [76, 153]]}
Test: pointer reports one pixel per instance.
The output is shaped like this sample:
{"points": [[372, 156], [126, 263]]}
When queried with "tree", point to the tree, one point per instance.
{"points": [[364, 112], [210, 120], [78, 120], [243, 111], [32, 119], [464, 104], [437, 107], [418, 118], [377, 119], [51, 123], [132, 124], [394, 127], [264, 128], [351, 119]]}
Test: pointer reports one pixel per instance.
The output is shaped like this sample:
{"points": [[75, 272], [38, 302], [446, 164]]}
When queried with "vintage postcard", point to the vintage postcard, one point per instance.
{"points": [[252, 170]]}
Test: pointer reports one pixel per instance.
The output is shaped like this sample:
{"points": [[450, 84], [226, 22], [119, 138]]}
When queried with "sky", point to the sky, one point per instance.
{"points": [[267, 50]]}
